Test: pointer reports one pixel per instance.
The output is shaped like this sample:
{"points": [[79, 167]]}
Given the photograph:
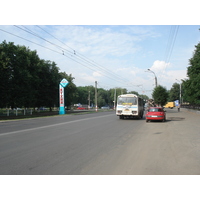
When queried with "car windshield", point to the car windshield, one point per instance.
{"points": [[127, 100], [155, 110]]}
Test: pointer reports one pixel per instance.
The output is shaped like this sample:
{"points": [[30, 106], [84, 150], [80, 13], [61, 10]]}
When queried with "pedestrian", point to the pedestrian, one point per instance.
{"points": [[178, 107]]}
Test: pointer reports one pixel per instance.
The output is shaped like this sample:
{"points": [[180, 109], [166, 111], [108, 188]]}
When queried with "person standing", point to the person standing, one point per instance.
{"points": [[179, 107]]}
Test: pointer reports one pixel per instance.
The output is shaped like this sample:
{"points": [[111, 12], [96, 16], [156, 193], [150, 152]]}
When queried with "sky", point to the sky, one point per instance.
{"points": [[111, 42], [112, 55]]}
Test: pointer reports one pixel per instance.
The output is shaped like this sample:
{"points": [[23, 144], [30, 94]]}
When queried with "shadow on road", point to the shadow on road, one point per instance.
{"points": [[175, 118]]}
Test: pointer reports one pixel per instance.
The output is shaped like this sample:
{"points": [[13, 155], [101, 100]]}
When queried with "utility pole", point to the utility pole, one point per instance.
{"points": [[181, 100], [114, 99], [96, 95], [89, 100]]}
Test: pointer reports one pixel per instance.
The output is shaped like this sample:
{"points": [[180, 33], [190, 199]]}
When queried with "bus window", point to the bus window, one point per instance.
{"points": [[127, 100]]}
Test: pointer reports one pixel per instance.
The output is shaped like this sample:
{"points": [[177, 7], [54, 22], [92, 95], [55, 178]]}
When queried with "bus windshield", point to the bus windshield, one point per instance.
{"points": [[127, 100]]}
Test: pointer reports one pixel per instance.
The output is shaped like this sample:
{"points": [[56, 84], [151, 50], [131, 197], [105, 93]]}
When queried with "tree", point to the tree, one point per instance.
{"points": [[134, 92], [160, 95], [174, 93], [82, 95], [48, 79], [102, 97], [28, 81], [6, 68], [192, 84], [145, 97], [16, 75], [115, 92]]}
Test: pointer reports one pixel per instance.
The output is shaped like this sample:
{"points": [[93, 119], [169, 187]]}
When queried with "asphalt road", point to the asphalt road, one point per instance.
{"points": [[101, 143]]}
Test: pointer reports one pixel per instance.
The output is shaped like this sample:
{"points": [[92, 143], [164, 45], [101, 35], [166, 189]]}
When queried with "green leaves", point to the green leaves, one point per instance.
{"points": [[25, 79], [174, 93], [191, 86], [160, 95]]}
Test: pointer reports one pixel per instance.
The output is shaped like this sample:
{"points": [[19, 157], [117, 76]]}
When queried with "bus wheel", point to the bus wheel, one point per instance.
{"points": [[121, 117]]}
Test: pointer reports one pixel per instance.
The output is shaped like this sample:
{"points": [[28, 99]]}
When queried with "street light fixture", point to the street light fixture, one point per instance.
{"points": [[154, 75]]}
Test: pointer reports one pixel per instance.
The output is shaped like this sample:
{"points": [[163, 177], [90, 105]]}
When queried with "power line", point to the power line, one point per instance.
{"points": [[171, 42], [84, 58], [36, 35], [56, 51], [87, 61], [28, 40], [73, 55]]}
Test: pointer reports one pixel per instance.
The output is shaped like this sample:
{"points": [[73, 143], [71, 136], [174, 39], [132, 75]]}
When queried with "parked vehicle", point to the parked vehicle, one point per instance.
{"points": [[80, 108], [156, 113], [105, 107], [170, 105]]}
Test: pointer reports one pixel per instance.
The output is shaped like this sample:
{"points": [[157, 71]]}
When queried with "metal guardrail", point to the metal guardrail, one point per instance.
{"points": [[193, 107]]}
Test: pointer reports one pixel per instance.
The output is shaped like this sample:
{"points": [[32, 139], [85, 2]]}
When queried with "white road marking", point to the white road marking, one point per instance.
{"points": [[48, 126]]}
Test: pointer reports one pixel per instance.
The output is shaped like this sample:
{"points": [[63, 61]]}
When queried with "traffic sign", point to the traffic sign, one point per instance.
{"points": [[64, 83]]}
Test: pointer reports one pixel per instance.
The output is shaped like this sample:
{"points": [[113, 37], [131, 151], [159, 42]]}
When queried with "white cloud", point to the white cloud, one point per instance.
{"points": [[97, 74], [159, 66], [84, 79], [105, 41]]}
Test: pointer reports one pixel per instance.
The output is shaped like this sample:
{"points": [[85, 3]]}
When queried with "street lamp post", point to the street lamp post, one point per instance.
{"points": [[154, 75], [180, 90]]}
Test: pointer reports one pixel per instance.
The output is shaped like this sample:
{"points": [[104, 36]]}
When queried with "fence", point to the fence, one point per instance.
{"points": [[194, 107], [16, 112]]}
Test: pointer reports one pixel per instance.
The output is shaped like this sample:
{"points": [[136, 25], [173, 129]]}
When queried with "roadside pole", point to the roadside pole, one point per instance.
{"points": [[96, 95]]}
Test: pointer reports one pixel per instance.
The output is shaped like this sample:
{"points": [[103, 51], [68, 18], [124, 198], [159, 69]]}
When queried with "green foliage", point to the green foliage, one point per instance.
{"points": [[134, 92], [174, 93], [115, 91], [160, 95], [26, 80], [145, 97], [192, 84]]}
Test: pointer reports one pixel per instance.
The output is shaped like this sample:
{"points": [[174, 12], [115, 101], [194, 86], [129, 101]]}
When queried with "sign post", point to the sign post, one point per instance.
{"points": [[62, 85]]}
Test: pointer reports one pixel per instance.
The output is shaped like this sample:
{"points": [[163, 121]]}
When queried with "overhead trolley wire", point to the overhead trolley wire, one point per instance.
{"points": [[75, 53], [58, 53], [64, 50], [84, 58], [34, 34], [171, 42], [81, 59], [28, 40]]}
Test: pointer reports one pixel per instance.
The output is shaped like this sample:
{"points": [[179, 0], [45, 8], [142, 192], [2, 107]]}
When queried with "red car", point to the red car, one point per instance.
{"points": [[155, 113], [80, 108]]}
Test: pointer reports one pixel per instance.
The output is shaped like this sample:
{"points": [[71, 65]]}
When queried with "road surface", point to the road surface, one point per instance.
{"points": [[101, 144]]}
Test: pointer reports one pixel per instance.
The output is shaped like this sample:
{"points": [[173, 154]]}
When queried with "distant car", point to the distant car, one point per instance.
{"points": [[155, 113], [42, 108], [105, 107], [80, 108]]}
